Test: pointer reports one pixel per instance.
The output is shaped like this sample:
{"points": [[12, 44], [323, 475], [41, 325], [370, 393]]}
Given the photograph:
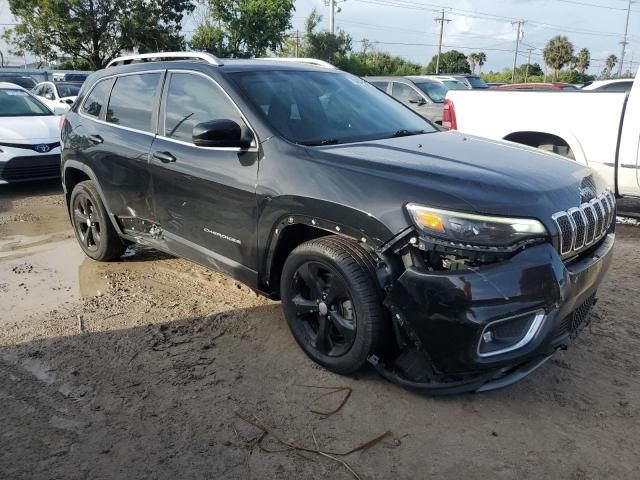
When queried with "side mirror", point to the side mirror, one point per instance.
{"points": [[60, 109], [49, 96], [418, 101], [221, 133]]}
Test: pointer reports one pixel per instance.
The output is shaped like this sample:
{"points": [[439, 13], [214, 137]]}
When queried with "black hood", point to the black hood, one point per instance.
{"points": [[456, 171]]}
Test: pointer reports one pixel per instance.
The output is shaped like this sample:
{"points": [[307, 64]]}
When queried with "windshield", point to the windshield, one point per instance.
{"points": [[435, 91], [24, 82], [18, 103], [68, 90], [454, 85], [477, 82], [325, 108]]}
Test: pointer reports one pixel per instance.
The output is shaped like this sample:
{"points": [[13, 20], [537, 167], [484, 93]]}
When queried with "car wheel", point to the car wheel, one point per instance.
{"points": [[331, 301], [94, 231]]}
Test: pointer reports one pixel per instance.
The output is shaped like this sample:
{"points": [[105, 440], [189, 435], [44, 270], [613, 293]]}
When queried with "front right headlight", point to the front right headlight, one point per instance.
{"points": [[472, 229]]}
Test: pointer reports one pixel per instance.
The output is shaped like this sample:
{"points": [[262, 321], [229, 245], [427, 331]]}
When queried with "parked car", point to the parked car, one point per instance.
{"points": [[617, 85], [449, 262], [497, 84], [55, 94], [422, 94], [24, 81], [473, 82], [597, 129], [29, 137], [556, 86], [74, 77]]}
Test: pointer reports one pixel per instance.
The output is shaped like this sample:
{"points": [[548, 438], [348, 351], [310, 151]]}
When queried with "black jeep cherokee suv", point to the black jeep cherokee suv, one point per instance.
{"points": [[449, 262]]}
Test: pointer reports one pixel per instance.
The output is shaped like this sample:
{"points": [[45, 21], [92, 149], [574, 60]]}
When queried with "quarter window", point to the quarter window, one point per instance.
{"points": [[96, 100], [132, 101], [192, 99]]}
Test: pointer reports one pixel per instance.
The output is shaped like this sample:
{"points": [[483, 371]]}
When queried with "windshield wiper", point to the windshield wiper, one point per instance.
{"points": [[407, 133], [317, 143]]}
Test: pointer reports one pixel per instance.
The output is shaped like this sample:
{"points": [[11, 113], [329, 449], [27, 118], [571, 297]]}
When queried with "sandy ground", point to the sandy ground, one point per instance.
{"points": [[140, 368]]}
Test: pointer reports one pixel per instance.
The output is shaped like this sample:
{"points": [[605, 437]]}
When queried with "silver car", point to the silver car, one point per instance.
{"points": [[420, 93]]}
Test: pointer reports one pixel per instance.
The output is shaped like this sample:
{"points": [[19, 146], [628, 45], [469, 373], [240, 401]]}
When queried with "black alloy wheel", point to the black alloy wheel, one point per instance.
{"points": [[87, 222], [95, 233], [332, 302], [325, 308]]}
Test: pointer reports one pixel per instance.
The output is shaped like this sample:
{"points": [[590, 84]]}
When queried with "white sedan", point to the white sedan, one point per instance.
{"points": [[29, 136], [55, 94]]}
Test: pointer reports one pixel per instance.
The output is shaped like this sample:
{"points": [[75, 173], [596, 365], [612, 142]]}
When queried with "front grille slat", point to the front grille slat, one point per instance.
{"points": [[582, 226], [22, 168]]}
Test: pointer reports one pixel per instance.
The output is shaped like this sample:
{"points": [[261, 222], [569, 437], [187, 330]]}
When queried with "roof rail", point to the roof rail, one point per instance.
{"points": [[160, 56], [311, 61]]}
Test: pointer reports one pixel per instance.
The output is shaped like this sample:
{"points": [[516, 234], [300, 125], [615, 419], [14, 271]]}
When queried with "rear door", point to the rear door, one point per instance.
{"points": [[205, 196], [116, 141]]}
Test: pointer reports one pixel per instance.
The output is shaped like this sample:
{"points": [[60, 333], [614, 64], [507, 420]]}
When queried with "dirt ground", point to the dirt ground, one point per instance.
{"points": [[139, 369]]}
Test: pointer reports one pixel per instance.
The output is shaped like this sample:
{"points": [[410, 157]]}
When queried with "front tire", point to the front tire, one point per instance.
{"points": [[331, 301], [91, 224]]}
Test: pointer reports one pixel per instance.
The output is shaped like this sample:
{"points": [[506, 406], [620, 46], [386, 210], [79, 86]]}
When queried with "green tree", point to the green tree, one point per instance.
{"points": [[96, 30], [557, 53], [378, 63], [611, 62], [481, 59], [473, 61], [324, 45], [583, 60], [452, 61], [243, 28]]}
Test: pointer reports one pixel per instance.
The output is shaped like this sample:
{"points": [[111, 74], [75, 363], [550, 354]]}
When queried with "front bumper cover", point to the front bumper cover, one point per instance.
{"points": [[444, 313]]}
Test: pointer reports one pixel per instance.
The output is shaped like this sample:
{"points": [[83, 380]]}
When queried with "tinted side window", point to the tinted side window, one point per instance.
{"points": [[381, 85], [96, 100], [403, 92], [192, 99], [132, 101]]}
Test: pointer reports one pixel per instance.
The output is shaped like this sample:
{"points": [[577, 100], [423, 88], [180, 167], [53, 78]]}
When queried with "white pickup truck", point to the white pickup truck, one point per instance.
{"points": [[599, 129]]}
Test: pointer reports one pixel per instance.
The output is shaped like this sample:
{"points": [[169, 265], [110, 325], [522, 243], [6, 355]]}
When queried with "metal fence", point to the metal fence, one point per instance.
{"points": [[38, 74]]}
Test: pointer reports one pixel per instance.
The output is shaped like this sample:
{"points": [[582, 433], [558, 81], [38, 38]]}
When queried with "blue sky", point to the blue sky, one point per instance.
{"points": [[475, 25], [598, 28]]}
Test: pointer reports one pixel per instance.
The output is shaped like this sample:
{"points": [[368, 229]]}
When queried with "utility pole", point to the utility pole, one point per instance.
{"points": [[441, 20], [332, 12], [297, 43], [515, 57], [624, 39], [526, 74]]}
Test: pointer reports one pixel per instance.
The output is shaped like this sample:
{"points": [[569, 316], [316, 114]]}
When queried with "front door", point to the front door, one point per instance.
{"points": [[205, 197]]}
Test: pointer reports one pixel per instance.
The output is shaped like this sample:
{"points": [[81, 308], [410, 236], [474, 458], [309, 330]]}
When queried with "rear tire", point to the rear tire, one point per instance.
{"points": [[331, 301], [91, 223]]}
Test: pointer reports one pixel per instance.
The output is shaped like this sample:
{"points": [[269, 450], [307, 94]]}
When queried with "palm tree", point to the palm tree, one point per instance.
{"points": [[473, 60], [611, 62], [558, 53], [583, 60], [481, 60]]}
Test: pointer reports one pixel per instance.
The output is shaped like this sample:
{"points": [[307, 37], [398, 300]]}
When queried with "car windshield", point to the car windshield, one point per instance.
{"points": [[18, 103], [477, 82], [324, 108], [454, 85], [435, 91], [68, 89], [24, 82]]}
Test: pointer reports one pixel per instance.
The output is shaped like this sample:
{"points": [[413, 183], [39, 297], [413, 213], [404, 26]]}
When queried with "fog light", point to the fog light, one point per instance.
{"points": [[509, 334]]}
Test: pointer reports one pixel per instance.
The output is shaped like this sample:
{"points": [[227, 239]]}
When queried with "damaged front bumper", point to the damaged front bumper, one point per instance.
{"points": [[441, 318]]}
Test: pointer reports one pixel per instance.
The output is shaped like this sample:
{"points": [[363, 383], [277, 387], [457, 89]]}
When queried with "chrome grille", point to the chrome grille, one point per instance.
{"points": [[582, 226]]}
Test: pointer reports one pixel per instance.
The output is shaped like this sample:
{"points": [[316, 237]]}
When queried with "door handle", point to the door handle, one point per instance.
{"points": [[96, 139], [164, 157]]}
